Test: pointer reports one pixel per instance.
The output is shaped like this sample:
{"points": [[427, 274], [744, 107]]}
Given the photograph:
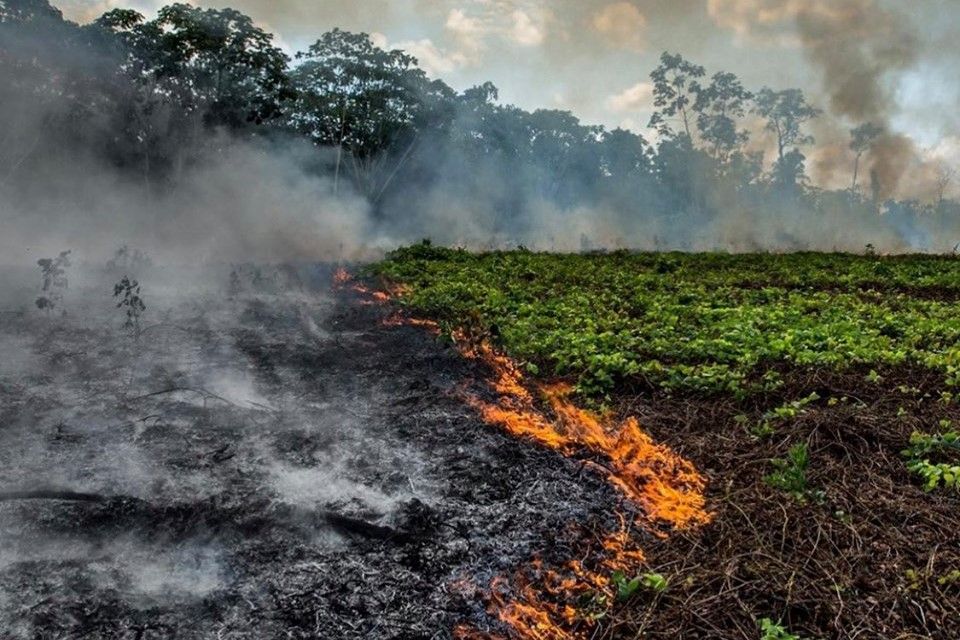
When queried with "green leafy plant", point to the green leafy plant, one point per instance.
{"points": [[770, 630], [790, 473], [707, 323], [626, 588], [781, 414], [923, 447], [654, 581]]}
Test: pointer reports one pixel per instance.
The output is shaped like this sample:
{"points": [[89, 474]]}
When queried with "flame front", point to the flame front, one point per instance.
{"points": [[562, 603], [667, 487]]}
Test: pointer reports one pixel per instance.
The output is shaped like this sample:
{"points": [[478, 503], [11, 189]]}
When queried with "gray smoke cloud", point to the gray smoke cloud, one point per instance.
{"points": [[260, 200], [858, 45]]}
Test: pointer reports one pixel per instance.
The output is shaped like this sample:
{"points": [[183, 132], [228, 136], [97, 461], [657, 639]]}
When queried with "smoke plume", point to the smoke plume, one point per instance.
{"points": [[858, 45]]}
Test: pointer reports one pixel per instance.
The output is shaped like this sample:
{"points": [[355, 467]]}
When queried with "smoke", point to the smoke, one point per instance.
{"points": [[858, 46], [243, 201], [863, 53], [265, 197]]}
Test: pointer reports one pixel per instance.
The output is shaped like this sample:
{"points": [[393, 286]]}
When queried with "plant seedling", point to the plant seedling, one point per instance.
{"points": [[54, 274], [129, 293], [790, 474], [770, 630]]}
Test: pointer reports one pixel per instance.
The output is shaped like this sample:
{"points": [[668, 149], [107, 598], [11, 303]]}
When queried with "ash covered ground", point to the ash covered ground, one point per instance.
{"points": [[267, 460]]}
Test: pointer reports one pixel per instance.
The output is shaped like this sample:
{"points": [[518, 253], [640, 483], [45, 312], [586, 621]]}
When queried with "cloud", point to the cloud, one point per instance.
{"points": [[435, 61], [773, 21], [622, 24], [475, 26], [525, 30], [469, 32], [635, 98]]}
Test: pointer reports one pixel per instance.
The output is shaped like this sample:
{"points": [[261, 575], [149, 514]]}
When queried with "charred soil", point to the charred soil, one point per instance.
{"points": [[271, 466]]}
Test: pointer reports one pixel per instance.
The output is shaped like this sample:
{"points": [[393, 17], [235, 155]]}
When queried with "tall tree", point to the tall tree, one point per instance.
{"points": [[24, 11], [675, 89], [786, 112], [719, 105], [363, 101], [861, 141], [788, 172], [945, 175], [215, 62], [625, 155]]}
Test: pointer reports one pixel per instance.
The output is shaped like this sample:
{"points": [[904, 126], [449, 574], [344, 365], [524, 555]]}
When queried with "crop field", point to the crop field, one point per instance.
{"points": [[815, 393]]}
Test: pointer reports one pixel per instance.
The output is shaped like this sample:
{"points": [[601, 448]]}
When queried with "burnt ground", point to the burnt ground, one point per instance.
{"points": [[865, 554], [271, 464], [279, 463]]}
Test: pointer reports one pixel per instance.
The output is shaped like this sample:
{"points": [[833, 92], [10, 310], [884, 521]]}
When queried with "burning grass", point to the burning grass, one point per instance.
{"points": [[741, 363], [665, 493]]}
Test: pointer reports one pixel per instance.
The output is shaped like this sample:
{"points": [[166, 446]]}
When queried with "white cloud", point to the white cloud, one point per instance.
{"points": [[475, 26], [526, 31], [466, 29], [431, 58], [622, 24], [635, 98]]}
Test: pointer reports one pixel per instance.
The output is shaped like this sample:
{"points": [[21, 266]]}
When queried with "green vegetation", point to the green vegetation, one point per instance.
{"points": [[922, 447], [701, 322], [626, 588], [770, 630], [790, 473]]}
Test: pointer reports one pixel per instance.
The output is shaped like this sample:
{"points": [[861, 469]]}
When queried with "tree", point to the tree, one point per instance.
{"points": [[215, 61], [788, 172], [675, 90], [861, 141], [945, 175], [363, 101], [785, 112], [624, 155], [718, 104], [22, 11]]}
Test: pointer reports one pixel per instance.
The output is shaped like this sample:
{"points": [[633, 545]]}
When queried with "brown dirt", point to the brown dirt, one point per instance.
{"points": [[869, 556]]}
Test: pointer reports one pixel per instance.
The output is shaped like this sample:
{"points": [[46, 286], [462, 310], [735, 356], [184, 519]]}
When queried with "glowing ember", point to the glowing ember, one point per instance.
{"points": [[341, 277], [398, 320]]}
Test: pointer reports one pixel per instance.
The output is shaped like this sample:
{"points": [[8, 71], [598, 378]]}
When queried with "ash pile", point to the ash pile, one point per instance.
{"points": [[258, 462]]}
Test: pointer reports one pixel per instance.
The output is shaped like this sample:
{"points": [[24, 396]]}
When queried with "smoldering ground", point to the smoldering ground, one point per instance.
{"points": [[266, 459]]}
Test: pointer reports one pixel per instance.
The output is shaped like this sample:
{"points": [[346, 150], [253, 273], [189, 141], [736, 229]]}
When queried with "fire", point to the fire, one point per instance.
{"points": [[341, 277], [552, 604], [562, 602], [398, 320], [667, 487]]}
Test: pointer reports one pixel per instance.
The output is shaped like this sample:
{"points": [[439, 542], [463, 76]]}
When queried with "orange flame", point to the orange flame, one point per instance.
{"points": [[341, 277], [667, 487], [539, 603]]}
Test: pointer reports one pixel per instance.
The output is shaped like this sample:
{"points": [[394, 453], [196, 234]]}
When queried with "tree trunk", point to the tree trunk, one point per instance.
{"points": [[856, 171]]}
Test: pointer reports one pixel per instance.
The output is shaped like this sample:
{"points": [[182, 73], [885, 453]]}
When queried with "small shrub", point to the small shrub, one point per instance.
{"points": [[790, 474], [127, 259], [781, 414], [923, 447], [128, 291], [627, 588], [54, 281], [770, 630]]}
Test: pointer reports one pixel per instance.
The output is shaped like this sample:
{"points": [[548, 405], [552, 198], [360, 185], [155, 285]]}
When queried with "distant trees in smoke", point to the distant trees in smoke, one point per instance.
{"points": [[147, 96]]}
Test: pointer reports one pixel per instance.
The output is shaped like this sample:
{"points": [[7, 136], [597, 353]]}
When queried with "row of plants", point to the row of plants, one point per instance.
{"points": [[704, 322]]}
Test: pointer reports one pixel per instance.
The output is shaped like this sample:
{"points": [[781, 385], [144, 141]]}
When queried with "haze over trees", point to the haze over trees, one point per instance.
{"points": [[154, 98]]}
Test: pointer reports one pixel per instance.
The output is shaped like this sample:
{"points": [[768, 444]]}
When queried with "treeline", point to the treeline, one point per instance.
{"points": [[155, 98]]}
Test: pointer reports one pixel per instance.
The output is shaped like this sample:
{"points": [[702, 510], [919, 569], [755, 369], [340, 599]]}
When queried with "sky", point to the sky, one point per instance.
{"points": [[891, 61]]}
